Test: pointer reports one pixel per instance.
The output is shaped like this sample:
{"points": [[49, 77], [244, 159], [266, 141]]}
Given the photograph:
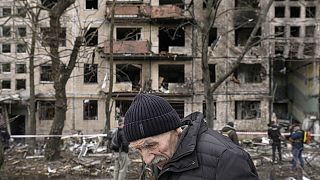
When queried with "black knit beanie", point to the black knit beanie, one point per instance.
{"points": [[149, 115]]}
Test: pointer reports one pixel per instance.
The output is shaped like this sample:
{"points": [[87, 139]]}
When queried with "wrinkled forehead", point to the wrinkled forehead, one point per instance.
{"points": [[145, 141]]}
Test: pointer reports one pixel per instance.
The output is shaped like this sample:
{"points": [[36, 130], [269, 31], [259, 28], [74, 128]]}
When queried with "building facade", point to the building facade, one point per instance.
{"points": [[157, 49]]}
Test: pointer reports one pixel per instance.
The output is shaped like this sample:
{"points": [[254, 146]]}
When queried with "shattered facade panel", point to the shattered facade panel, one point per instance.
{"points": [[156, 50]]}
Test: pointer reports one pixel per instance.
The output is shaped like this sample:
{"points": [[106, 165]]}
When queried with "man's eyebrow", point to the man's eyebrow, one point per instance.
{"points": [[142, 144]]}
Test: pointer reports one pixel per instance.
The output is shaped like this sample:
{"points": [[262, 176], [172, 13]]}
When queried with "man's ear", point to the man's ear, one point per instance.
{"points": [[178, 130]]}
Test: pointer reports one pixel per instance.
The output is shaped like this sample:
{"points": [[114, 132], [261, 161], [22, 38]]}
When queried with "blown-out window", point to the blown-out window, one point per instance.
{"points": [[90, 109], [46, 110]]}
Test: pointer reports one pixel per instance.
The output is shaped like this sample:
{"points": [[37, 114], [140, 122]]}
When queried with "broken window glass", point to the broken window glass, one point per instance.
{"points": [[20, 84], [90, 73], [90, 109], [21, 32], [310, 31], [46, 110], [128, 34], [121, 108], [129, 73], [46, 73], [247, 4], [250, 73], [212, 69], [309, 49], [281, 110], [21, 48], [213, 34], [204, 4], [5, 84], [279, 31], [6, 11], [6, 48], [247, 110], [91, 4], [91, 37], [21, 68], [279, 11], [310, 12], [6, 31], [295, 12], [170, 36], [294, 49], [46, 38], [170, 74], [6, 67], [279, 48], [295, 31], [242, 35], [48, 3], [22, 12], [204, 108]]}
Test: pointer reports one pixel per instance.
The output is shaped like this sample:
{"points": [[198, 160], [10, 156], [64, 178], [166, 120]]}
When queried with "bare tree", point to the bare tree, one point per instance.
{"points": [[61, 74], [110, 57], [204, 25]]}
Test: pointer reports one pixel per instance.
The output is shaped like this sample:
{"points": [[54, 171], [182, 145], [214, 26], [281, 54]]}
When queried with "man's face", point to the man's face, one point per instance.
{"points": [[158, 149]]}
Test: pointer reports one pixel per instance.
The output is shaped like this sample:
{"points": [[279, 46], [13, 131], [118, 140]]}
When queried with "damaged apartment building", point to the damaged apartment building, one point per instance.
{"points": [[156, 50]]}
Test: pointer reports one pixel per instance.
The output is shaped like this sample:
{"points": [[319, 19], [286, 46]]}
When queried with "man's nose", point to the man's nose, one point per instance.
{"points": [[147, 156]]}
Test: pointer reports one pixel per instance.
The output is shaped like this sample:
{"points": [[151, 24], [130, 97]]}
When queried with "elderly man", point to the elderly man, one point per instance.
{"points": [[153, 127]]}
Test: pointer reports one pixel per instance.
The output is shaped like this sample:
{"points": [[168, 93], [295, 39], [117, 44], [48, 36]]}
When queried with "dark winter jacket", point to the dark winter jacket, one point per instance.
{"points": [[204, 154], [123, 141], [297, 139], [274, 134], [231, 133], [4, 138]]}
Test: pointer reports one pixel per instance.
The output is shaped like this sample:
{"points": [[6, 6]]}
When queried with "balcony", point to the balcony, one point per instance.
{"points": [[128, 47], [140, 11], [167, 11], [129, 11], [126, 1]]}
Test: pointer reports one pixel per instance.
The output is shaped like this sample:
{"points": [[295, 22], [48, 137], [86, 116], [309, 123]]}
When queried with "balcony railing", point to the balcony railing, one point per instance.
{"points": [[146, 11], [128, 47], [167, 11]]}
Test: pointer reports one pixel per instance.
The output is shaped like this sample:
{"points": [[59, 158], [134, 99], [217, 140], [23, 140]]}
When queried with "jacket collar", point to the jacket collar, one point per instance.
{"points": [[185, 156]]}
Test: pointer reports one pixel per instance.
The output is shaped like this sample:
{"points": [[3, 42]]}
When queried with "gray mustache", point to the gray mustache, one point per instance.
{"points": [[157, 159]]}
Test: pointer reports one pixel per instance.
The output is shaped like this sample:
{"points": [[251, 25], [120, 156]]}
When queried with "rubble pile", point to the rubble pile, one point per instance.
{"points": [[90, 157]]}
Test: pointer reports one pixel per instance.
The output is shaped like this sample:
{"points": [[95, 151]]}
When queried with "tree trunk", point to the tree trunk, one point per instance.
{"points": [[209, 19], [1, 154], [6, 118], [32, 109], [109, 96], [61, 73]]}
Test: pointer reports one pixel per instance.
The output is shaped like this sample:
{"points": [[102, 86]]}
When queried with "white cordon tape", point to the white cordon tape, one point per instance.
{"points": [[105, 135], [265, 133], [62, 136]]}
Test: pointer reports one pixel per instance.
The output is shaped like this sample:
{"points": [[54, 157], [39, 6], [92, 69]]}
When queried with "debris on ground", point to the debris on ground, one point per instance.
{"points": [[90, 157]]}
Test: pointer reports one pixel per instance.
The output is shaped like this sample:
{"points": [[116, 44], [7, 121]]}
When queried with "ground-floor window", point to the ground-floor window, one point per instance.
{"points": [[46, 110], [90, 109], [247, 110]]}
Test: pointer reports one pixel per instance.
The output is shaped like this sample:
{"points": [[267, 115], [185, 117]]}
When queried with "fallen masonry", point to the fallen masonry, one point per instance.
{"points": [[90, 157]]}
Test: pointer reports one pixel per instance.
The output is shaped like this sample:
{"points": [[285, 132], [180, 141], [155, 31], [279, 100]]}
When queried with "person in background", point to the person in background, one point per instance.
{"points": [[195, 152], [296, 139], [275, 136], [231, 132], [4, 138], [4, 143], [122, 158]]}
